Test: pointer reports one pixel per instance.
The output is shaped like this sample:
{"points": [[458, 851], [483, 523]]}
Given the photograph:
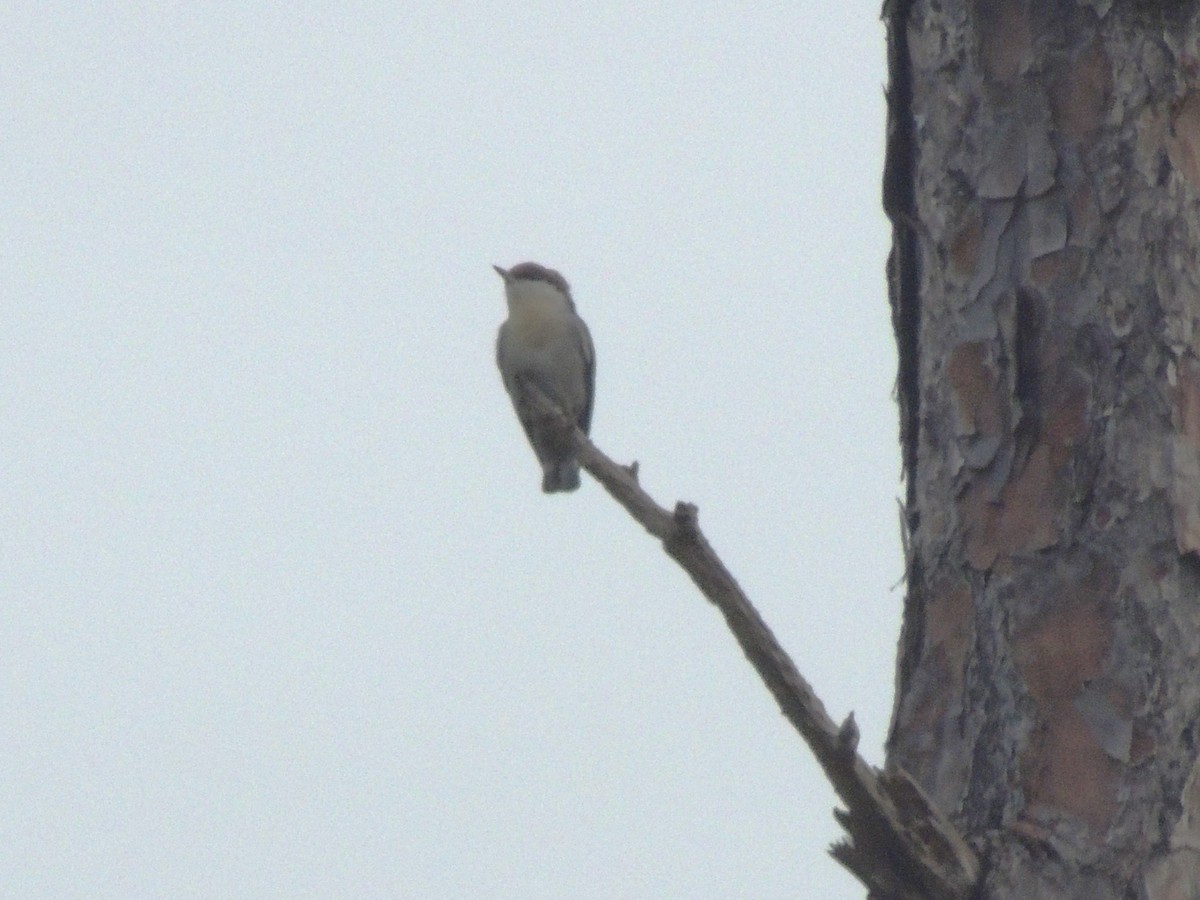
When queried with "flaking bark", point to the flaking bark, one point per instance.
{"points": [[1044, 186]]}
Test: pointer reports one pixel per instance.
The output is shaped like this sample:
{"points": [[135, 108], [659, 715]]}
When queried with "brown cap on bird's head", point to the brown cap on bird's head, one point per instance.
{"points": [[531, 271]]}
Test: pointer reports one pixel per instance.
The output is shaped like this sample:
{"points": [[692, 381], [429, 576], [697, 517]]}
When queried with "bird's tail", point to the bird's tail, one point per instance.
{"points": [[561, 475]]}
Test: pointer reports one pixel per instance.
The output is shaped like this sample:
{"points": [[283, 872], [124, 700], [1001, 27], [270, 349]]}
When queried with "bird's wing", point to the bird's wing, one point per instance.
{"points": [[589, 376]]}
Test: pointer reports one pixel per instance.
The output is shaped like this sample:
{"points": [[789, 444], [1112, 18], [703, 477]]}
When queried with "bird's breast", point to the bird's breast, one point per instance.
{"points": [[539, 325]]}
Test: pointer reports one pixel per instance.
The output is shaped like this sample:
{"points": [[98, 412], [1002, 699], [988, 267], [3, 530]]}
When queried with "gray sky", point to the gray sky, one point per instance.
{"points": [[284, 610]]}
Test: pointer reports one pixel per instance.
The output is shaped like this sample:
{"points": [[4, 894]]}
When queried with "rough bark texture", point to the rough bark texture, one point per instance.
{"points": [[1043, 180]]}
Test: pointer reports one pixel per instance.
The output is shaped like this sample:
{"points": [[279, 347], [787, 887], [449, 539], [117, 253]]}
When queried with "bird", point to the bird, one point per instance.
{"points": [[544, 343]]}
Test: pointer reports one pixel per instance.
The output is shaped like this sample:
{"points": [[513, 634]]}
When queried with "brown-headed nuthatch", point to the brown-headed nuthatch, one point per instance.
{"points": [[545, 344]]}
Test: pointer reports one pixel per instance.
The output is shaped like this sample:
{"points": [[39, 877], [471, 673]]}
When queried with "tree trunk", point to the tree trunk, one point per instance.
{"points": [[1043, 181]]}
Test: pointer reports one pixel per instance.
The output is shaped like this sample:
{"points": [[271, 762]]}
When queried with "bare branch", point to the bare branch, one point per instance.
{"points": [[900, 845]]}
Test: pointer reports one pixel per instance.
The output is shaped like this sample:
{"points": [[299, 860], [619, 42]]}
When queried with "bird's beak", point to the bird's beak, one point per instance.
{"points": [[503, 273]]}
